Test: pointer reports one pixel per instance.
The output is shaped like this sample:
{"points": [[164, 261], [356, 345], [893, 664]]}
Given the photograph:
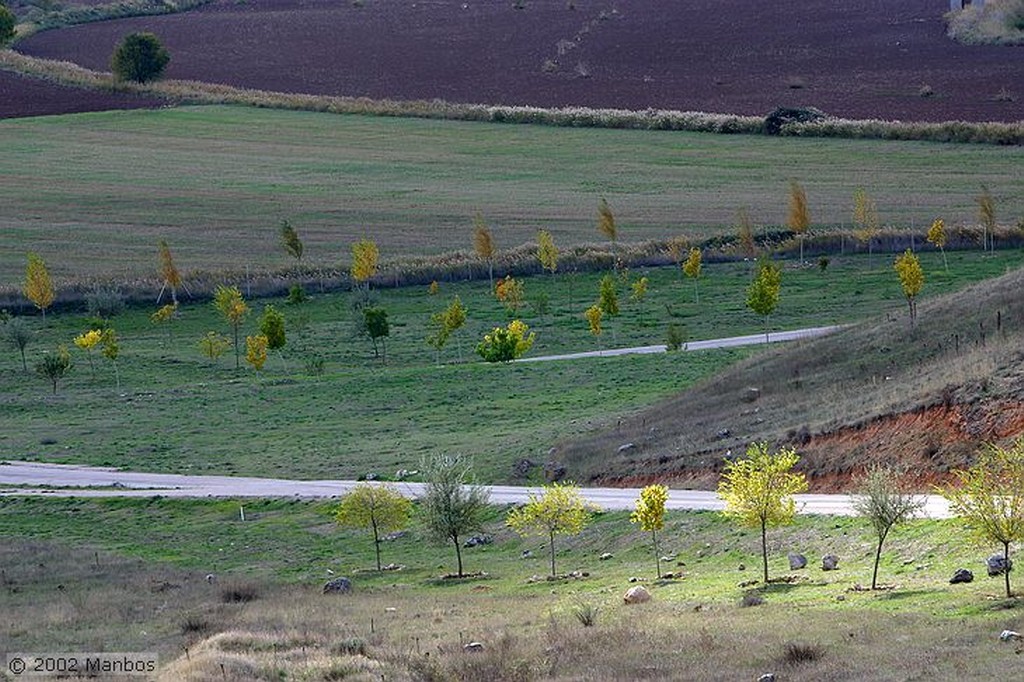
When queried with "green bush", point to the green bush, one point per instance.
{"points": [[140, 57], [7, 22]]}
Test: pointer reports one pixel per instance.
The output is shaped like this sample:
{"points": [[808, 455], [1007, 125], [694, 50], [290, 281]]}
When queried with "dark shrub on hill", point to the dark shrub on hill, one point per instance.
{"points": [[774, 121], [140, 57], [7, 22]]}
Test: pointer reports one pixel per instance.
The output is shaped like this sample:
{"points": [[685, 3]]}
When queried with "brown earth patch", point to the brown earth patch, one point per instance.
{"points": [[20, 96], [859, 59]]}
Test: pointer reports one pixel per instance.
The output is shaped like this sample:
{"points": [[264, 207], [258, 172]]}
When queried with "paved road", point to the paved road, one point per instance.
{"points": [[729, 342], [64, 480]]}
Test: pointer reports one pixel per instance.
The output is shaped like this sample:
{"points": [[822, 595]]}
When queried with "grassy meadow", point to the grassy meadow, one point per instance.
{"points": [[177, 410], [262, 617], [93, 193]]}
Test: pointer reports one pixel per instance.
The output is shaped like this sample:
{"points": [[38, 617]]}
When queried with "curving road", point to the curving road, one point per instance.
{"points": [[68, 480], [728, 342]]}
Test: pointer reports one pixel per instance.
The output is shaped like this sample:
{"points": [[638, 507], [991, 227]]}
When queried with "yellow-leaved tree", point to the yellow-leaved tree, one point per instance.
{"points": [[229, 303], [937, 237], [799, 217], [365, 258], [606, 222], [560, 510], [256, 351], [547, 252], [692, 268], [639, 296], [164, 315], [510, 292], [594, 315], [987, 218], [213, 345], [38, 284], [483, 244], [505, 344], [111, 351], [649, 514], [989, 498], [168, 273], [758, 490], [379, 508], [908, 269], [865, 219], [87, 341]]}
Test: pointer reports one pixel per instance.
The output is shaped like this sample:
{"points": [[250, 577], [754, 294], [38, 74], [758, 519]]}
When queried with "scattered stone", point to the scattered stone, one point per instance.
{"points": [[478, 540], [606, 556], [724, 433], [829, 562], [747, 583], [522, 468], [403, 474], [390, 609], [1010, 636], [997, 564], [962, 575], [751, 599], [741, 567], [637, 595], [534, 579], [392, 567], [626, 447], [370, 477], [634, 579], [526, 554], [796, 561], [391, 537], [554, 471], [907, 562], [840, 597], [751, 394], [211, 578], [767, 677], [338, 586], [473, 647], [666, 559]]}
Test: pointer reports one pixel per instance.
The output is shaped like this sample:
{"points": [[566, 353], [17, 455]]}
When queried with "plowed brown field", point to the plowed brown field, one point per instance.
{"points": [[857, 58]]}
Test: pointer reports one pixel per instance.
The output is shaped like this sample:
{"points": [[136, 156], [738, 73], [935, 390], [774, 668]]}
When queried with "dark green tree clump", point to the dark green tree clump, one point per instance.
{"points": [[140, 57], [7, 23]]}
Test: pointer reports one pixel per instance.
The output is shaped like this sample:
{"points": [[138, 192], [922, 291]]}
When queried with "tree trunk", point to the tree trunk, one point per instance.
{"points": [[24, 364], [458, 553], [878, 557], [657, 554], [551, 537], [1006, 573], [237, 359], [764, 549], [376, 542]]}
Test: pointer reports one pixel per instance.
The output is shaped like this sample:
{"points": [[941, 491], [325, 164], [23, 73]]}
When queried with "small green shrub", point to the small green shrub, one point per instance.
{"points": [[675, 338], [297, 294], [140, 57], [104, 303], [7, 23]]}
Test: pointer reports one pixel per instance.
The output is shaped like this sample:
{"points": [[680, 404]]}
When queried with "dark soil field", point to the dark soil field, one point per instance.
{"points": [[31, 97], [859, 59]]}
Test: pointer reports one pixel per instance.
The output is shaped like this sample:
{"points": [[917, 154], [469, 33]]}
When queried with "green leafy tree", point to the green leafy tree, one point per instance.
{"points": [[937, 237], [561, 510], [379, 508], [375, 322], [139, 57], [445, 324], [608, 296], [213, 345], [110, 348], [55, 366], [505, 344], [229, 303], [989, 498], [763, 292], [885, 500], [758, 490], [692, 268], [7, 23], [272, 326], [452, 505], [649, 514], [38, 284], [291, 242], [799, 217], [483, 244], [18, 335], [908, 269], [547, 252]]}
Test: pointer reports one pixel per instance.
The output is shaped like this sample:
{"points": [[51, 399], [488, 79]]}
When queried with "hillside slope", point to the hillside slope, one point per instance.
{"points": [[858, 59], [880, 391]]}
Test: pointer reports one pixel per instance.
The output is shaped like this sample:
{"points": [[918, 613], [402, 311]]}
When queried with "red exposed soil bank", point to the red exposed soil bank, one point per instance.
{"points": [[859, 59], [30, 97]]}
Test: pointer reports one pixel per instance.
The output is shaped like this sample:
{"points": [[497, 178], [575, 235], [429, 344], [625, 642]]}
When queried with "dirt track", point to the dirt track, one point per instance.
{"points": [[861, 58]]}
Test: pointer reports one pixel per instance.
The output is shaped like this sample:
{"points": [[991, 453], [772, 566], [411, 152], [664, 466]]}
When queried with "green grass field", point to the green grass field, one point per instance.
{"points": [[132, 573], [93, 193], [178, 411]]}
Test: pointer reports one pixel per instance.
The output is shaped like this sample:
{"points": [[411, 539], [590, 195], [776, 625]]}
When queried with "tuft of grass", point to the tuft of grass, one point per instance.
{"points": [[797, 653], [585, 612], [240, 593]]}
